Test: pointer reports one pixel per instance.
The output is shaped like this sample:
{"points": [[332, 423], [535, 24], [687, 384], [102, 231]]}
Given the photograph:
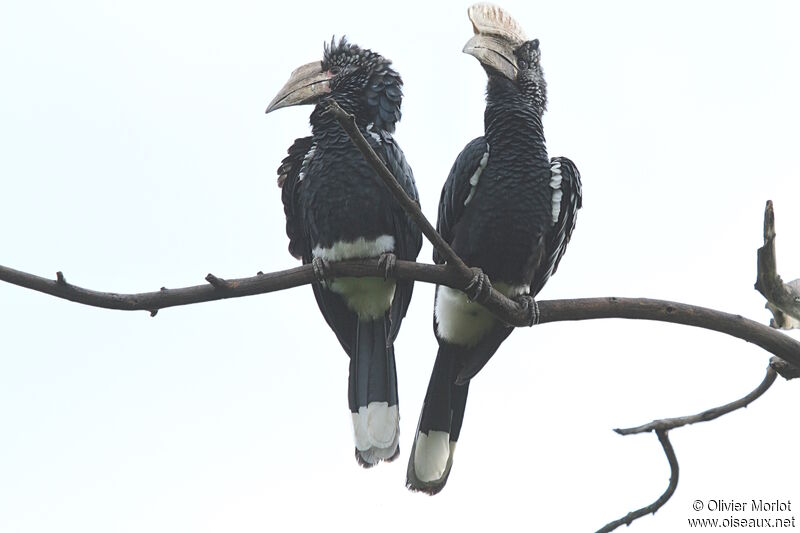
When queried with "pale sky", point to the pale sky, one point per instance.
{"points": [[135, 154]]}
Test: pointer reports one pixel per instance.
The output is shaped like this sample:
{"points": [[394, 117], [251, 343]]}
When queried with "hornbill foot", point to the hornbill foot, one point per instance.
{"points": [[389, 262], [479, 287], [321, 269], [530, 306]]}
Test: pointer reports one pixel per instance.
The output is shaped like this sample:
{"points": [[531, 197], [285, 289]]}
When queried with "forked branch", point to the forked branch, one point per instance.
{"points": [[663, 426]]}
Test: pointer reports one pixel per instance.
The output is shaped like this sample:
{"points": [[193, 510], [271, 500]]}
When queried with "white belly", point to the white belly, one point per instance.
{"points": [[464, 323], [369, 298]]}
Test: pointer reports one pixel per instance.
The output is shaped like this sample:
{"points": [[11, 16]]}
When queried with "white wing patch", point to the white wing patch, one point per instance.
{"points": [[372, 133], [464, 323], [473, 180], [306, 160], [555, 184], [360, 248]]}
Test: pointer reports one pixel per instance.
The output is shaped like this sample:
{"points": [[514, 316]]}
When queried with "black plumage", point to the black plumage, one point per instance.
{"points": [[336, 208], [510, 210]]}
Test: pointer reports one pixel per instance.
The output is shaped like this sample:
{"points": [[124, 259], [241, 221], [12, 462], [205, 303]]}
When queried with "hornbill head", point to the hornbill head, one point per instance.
{"points": [[360, 80], [500, 45]]}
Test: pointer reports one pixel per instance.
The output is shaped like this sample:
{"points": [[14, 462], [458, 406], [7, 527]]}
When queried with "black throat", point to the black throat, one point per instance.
{"points": [[513, 122]]}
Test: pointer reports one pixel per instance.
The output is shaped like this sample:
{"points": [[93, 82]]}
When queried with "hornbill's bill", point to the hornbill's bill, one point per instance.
{"points": [[505, 208], [337, 209]]}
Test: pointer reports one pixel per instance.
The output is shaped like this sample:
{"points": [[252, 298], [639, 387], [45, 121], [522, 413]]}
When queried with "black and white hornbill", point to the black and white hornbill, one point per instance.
{"points": [[505, 208], [337, 209]]}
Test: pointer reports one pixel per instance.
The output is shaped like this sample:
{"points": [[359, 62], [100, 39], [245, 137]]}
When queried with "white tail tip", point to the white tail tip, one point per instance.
{"points": [[431, 454], [376, 428]]}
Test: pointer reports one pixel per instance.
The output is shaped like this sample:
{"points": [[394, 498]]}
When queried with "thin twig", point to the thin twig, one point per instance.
{"points": [[656, 505], [507, 310], [709, 414]]}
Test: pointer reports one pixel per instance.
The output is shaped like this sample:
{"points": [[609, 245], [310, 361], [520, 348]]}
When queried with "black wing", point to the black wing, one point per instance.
{"points": [[408, 241], [290, 180], [408, 237], [561, 231], [456, 190]]}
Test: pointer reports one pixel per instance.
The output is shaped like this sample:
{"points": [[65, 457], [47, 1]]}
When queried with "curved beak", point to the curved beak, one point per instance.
{"points": [[305, 86], [494, 52]]}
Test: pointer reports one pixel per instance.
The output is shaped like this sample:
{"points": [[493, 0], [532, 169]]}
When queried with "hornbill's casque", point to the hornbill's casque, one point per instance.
{"points": [[336, 209], [505, 208]]}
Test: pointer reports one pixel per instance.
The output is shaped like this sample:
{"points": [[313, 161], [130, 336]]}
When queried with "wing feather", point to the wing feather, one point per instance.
{"points": [[408, 237], [290, 180], [457, 189], [561, 231]]}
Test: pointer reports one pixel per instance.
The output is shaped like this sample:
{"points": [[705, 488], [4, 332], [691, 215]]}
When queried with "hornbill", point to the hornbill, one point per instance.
{"points": [[337, 209], [506, 209]]}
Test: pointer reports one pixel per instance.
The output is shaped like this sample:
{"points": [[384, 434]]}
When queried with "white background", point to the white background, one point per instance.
{"points": [[135, 154]]}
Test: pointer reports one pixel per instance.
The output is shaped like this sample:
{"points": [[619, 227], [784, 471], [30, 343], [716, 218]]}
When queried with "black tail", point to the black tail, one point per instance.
{"points": [[373, 393], [439, 425]]}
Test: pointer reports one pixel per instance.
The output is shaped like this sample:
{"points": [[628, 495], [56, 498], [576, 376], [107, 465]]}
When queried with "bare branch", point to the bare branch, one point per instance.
{"points": [[783, 299], [656, 505], [507, 310], [709, 414], [218, 288], [661, 427]]}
